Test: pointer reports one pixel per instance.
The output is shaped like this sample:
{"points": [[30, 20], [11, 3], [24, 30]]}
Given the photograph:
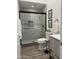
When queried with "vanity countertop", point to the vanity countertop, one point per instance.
{"points": [[57, 36]]}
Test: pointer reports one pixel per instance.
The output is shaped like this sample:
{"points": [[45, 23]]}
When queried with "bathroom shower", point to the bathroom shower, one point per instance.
{"points": [[33, 26]]}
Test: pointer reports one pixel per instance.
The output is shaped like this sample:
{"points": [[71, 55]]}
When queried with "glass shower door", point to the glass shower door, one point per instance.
{"points": [[33, 26]]}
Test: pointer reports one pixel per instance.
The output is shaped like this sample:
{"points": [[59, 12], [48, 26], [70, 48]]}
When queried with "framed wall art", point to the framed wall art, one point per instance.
{"points": [[50, 23], [50, 14]]}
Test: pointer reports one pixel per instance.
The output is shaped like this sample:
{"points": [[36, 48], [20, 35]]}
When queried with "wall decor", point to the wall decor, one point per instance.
{"points": [[50, 18], [50, 23], [50, 14]]}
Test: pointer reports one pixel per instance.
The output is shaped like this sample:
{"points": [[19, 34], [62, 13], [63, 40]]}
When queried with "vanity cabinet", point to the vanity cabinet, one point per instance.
{"points": [[55, 45]]}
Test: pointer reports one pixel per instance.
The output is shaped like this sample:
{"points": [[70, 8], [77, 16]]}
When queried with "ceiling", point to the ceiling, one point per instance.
{"points": [[31, 5]]}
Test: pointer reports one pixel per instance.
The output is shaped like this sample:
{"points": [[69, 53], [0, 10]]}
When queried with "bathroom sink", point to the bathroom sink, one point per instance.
{"points": [[56, 36]]}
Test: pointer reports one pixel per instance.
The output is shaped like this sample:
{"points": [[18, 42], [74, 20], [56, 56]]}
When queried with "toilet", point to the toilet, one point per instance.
{"points": [[41, 43]]}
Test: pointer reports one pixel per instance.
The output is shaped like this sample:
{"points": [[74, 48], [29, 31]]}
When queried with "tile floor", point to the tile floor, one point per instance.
{"points": [[32, 52]]}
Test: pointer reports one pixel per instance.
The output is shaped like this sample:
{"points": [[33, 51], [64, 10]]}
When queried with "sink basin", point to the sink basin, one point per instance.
{"points": [[57, 36]]}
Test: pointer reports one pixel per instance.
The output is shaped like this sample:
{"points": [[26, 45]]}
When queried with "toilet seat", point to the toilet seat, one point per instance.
{"points": [[41, 40]]}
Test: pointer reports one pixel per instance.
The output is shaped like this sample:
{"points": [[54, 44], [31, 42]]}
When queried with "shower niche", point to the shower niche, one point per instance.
{"points": [[30, 23], [27, 24]]}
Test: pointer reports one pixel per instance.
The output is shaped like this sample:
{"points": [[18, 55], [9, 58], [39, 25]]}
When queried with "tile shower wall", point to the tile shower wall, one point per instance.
{"points": [[33, 26]]}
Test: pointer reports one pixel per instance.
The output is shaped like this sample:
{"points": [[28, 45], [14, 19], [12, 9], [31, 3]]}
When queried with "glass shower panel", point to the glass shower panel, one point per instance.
{"points": [[33, 26]]}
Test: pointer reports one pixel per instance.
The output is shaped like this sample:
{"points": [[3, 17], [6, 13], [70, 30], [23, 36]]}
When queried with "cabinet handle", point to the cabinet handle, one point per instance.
{"points": [[61, 43]]}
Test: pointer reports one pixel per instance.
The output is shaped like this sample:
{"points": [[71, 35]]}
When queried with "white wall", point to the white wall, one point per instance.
{"points": [[55, 5]]}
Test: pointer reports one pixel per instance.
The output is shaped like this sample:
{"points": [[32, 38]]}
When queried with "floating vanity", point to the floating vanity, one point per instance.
{"points": [[55, 44]]}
